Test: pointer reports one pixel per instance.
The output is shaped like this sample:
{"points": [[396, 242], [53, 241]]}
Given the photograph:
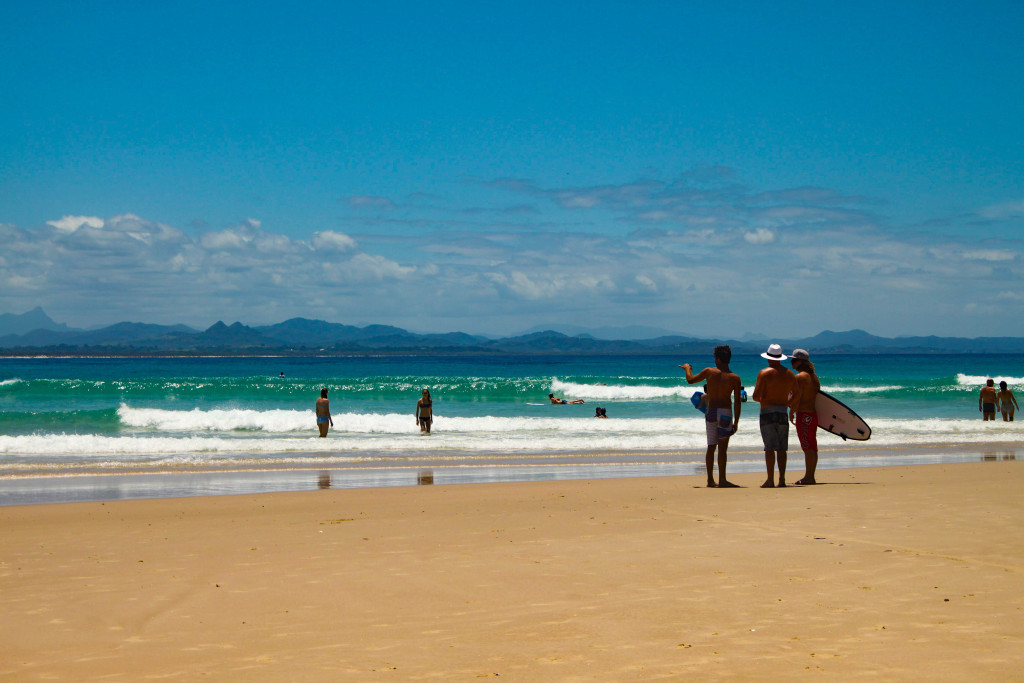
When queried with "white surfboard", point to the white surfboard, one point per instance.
{"points": [[836, 417]]}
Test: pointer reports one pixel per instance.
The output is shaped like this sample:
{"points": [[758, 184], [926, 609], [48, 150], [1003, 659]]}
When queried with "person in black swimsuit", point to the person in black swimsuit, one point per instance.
{"points": [[425, 412]]}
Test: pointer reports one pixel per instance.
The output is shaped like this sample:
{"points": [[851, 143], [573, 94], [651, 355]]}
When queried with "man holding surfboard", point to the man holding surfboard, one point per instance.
{"points": [[802, 412], [723, 397], [773, 390]]}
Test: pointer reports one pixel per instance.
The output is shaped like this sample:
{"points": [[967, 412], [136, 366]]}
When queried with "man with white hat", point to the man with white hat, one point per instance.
{"points": [[774, 391]]}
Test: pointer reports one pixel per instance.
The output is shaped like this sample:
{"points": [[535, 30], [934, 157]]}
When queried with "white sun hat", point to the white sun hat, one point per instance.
{"points": [[774, 352]]}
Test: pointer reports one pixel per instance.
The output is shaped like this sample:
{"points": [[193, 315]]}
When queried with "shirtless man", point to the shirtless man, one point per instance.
{"points": [[562, 402], [323, 413], [987, 401], [723, 399], [802, 413], [773, 391]]}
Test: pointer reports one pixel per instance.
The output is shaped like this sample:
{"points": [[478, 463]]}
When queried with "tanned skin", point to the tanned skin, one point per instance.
{"points": [[723, 386], [988, 395], [773, 388], [804, 395]]}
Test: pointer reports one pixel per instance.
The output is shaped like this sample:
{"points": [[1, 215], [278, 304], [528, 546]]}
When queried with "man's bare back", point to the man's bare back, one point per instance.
{"points": [[722, 385], [774, 386]]}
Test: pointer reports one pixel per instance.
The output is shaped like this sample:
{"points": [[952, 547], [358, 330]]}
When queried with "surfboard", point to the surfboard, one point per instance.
{"points": [[836, 417], [695, 400]]}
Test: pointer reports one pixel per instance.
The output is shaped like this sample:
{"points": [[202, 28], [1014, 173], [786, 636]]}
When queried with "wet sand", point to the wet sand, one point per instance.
{"points": [[900, 572], [25, 485]]}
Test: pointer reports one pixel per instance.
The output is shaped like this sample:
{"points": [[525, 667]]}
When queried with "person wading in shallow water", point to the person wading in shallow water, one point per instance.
{"points": [[1007, 402], [802, 413], [723, 393], [323, 413], [987, 401], [425, 412]]}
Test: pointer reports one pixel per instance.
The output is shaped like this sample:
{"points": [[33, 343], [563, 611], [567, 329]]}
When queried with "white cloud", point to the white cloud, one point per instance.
{"points": [[521, 284], [337, 241], [375, 268], [224, 240], [760, 236], [72, 223], [646, 283], [990, 255], [360, 201], [593, 268], [1006, 210]]}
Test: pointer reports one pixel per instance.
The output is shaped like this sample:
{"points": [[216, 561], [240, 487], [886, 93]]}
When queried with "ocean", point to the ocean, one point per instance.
{"points": [[71, 418]]}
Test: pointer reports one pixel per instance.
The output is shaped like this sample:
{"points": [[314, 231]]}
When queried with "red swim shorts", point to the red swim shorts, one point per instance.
{"points": [[807, 431]]}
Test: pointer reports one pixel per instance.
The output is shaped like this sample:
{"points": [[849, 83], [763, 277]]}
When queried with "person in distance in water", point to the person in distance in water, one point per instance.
{"points": [[987, 401], [723, 411], [1007, 402], [425, 412], [323, 413]]}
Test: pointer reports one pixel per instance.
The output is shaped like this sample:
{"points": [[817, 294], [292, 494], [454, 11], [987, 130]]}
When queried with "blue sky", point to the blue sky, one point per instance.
{"points": [[707, 168]]}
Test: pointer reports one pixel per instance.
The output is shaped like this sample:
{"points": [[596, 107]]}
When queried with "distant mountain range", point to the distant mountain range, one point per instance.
{"points": [[35, 333]]}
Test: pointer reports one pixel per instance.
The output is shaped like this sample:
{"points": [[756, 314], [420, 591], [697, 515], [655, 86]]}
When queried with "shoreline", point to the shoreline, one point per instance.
{"points": [[894, 573], [149, 482]]}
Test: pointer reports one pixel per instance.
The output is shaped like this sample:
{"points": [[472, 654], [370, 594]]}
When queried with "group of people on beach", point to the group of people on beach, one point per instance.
{"points": [[990, 399], [785, 397]]}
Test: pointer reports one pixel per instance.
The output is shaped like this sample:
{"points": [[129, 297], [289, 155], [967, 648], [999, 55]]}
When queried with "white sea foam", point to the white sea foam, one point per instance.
{"points": [[379, 437], [621, 392], [861, 390], [7, 382], [979, 380], [196, 420]]}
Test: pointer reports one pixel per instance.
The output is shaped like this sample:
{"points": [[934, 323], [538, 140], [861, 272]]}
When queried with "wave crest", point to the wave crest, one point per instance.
{"points": [[862, 390], [979, 380], [622, 392]]}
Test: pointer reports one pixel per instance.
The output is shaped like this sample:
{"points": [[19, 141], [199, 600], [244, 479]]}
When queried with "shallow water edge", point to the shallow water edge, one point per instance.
{"points": [[29, 488]]}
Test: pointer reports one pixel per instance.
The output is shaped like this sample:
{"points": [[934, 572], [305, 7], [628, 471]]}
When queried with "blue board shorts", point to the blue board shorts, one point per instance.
{"points": [[719, 425]]}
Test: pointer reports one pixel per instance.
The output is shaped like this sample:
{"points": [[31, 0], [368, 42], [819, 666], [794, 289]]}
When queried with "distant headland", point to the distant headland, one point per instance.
{"points": [[35, 334]]}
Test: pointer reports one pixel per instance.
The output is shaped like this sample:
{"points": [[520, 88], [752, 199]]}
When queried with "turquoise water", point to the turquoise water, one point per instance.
{"points": [[108, 414]]}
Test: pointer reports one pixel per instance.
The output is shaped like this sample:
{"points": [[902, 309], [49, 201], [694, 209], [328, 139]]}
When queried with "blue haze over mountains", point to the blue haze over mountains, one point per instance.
{"points": [[35, 332]]}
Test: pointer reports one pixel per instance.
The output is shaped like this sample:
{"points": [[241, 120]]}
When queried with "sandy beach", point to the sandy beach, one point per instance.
{"points": [[897, 572]]}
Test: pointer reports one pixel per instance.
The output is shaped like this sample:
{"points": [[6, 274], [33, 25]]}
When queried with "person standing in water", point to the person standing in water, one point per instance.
{"points": [[987, 401], [323, 413], [1007, 402], [723, 411], [802, 413], [774, 386], [425, 412]]}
